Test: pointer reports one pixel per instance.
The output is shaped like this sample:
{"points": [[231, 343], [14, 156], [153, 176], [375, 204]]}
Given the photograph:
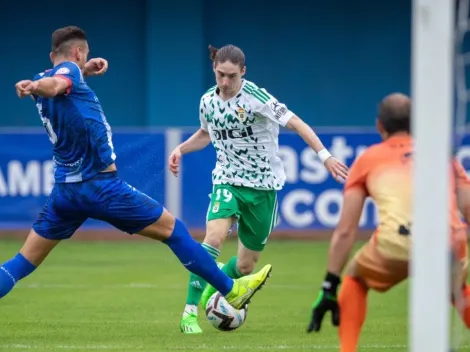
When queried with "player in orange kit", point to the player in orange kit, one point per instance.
{"points": [[384, 173]]}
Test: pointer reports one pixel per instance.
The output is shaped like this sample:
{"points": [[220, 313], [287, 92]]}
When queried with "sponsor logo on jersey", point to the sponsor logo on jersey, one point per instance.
{"points": [[62, 71], [278, 109], [234, 133]]}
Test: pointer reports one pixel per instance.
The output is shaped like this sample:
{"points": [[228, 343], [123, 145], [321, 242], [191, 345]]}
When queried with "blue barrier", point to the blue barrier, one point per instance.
{"points": [[26, 172], [311, 199]]}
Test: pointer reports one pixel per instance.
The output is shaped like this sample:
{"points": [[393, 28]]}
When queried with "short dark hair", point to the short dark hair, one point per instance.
{"points": [[62, 37], [230, 53], [394, 113]]}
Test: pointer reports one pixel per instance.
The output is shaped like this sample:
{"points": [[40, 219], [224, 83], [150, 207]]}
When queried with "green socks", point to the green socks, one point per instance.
{"points": [[231, 269]]}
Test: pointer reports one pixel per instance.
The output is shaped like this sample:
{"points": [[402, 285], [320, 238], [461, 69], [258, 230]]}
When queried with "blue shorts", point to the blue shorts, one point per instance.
{"points": [[105, 197]]}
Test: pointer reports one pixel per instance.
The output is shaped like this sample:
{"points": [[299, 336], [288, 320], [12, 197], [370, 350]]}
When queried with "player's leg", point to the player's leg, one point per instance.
{"points": [[245, 261], [258, 216], [237, 266], [131, 211], [368, 270], [352, 301], [461, 296], [221, 215], [33, 252], [459, 286], [58, 220], [216, 233]]}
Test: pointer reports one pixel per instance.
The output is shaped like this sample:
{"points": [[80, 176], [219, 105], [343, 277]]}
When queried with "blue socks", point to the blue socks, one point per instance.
{"points": [[195, 258], [13, 271]]}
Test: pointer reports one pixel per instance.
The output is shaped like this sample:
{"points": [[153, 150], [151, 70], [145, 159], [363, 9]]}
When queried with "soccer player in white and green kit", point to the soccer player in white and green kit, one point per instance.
{"points": [[242, 122]]}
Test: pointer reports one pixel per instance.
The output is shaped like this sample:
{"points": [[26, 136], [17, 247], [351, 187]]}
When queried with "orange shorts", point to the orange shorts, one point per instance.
{"points": [[380, 273], [377, 272]]}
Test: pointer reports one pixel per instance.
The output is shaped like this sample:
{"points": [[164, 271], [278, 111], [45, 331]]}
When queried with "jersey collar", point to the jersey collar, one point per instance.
{"points": [[236, 95]]}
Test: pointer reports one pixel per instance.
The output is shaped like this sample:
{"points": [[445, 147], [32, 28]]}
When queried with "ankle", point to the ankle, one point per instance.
{"points": [[190, 309], [235, 289]]}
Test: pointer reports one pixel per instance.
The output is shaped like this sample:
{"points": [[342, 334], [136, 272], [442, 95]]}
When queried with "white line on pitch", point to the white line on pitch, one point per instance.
{"points": [[137, 286], [194, 347]]}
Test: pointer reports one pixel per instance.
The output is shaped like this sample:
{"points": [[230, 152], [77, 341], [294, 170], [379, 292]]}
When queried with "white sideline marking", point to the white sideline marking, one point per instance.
{"points": [[90, 321], [138, 286], [200, 347]]}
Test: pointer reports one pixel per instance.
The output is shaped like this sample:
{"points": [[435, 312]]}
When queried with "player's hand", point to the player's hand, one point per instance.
{"points": [[25, 88], [337, 169], [95, 67], [325, 302], [174, 161]]}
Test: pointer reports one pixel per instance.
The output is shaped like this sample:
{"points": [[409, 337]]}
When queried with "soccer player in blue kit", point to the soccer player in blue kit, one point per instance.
{"points": [[86, 180]]}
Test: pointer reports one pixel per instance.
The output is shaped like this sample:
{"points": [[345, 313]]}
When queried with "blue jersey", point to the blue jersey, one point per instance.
{"points": [[77, 127]]}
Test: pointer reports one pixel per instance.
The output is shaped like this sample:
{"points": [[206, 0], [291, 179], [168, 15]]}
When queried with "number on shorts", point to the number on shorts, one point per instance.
{"points": [[225, 193]]}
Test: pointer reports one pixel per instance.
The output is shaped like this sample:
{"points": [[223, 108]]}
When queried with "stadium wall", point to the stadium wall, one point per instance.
{"points": [[330, 61], [309, 204]]}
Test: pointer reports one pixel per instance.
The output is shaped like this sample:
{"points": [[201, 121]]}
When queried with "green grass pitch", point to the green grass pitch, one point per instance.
{"points": [[129, 296]]}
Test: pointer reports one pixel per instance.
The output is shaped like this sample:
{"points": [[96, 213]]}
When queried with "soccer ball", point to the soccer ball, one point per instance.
{"points": [[222, 315]]}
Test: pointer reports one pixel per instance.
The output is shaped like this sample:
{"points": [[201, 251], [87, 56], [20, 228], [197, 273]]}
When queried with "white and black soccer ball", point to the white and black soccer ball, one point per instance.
{"points": [[222, 316]]}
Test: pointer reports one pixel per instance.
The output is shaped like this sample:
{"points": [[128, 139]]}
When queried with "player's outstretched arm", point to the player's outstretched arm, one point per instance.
{"points": [[45, 87], [340, 249], [268, 106], [334, 166], [296, 124], [344, 235], [197, 141]]}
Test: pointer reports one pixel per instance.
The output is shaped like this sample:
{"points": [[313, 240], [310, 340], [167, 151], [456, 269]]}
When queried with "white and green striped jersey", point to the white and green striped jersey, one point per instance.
{"points": [[244, 132]]}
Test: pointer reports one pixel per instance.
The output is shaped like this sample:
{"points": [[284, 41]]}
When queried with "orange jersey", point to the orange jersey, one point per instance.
{"points": [[385, 172]]}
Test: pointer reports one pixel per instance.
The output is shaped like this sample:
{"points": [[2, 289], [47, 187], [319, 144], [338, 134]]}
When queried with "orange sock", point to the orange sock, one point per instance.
{"points": [[465, 314], [352, 304]]}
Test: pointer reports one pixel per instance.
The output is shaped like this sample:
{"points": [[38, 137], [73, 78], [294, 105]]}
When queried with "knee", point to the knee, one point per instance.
{"points": [[215, 238], [163, 228], [214, 241], [353, 273], [351, 269], [37, 248]]}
